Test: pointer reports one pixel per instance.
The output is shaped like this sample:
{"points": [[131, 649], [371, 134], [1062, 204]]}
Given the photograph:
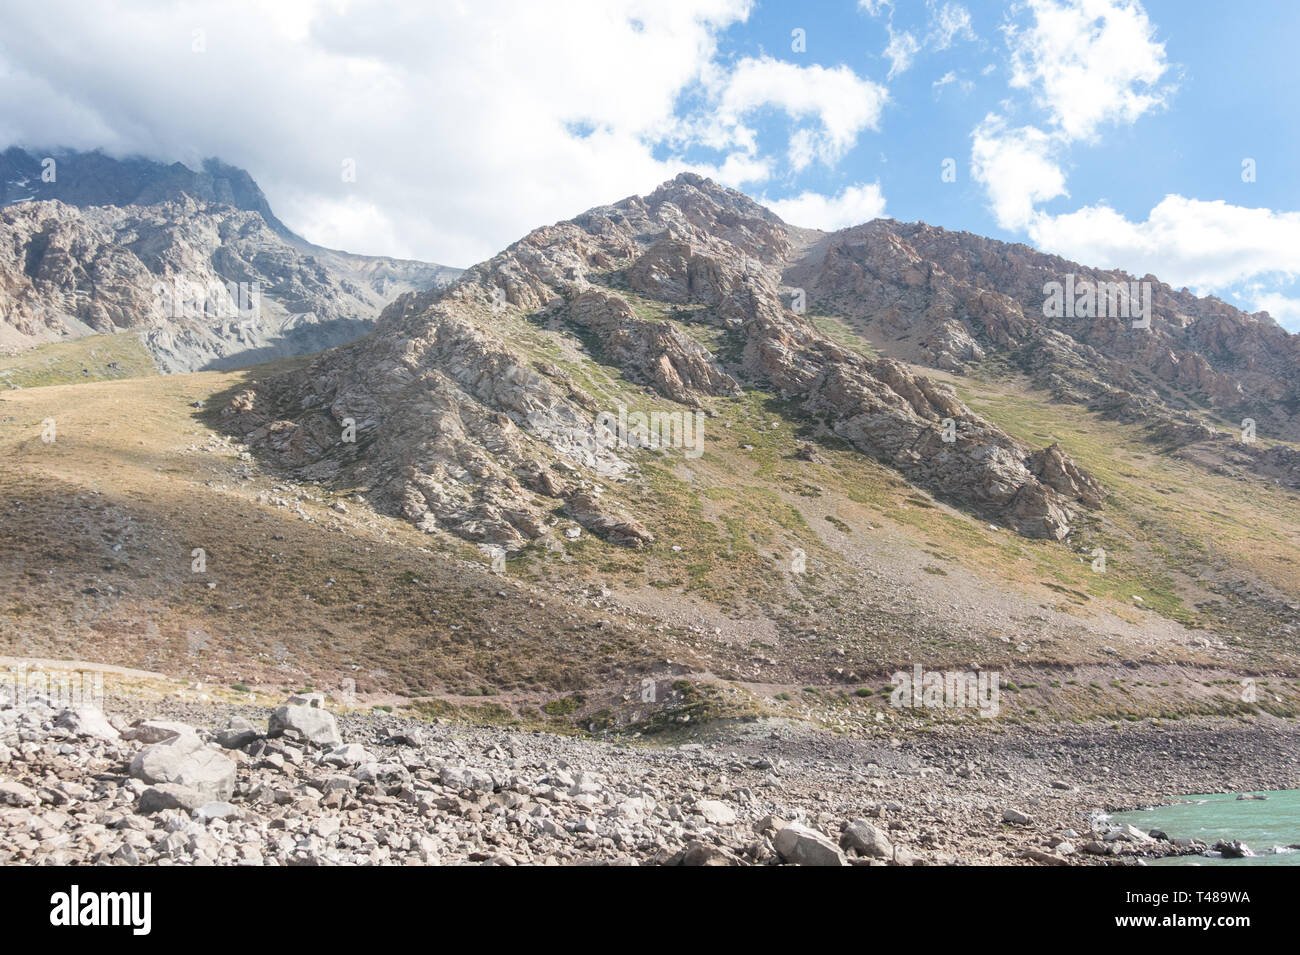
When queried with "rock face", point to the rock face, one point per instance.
{"points": [[460, 424], [951, 300], [194, 263]]}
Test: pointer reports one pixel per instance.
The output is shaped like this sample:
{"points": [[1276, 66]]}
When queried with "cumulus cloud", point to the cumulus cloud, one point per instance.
{"points": [[839, 103], [1285, 310], [852, 206], [1088, 62], [1203, 245], [1017, 169], [468, 123]]}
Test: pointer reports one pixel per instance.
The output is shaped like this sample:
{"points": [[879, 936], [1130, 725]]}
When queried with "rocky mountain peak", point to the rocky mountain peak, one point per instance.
{"points": [[468, 430]]}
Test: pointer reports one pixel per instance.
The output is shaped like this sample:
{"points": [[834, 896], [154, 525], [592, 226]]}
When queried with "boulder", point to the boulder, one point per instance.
{"points": [[184, 760], [311, 722], [867, 840], [238, 733], [349, 755], [715, 812], [166, 796], [799, 845], [155, 731], [88, 721]]}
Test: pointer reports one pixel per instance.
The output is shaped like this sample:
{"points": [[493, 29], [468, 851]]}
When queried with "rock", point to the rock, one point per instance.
{"points": [[904, 856], [799, 845], [312, 723], [184, 760], [349, 755], [460, 778], [166, 796], [238, 733], [88, 721], [1045, 858], [1016, 817], [16, 794], [700, 854], [90, 250], [867, 840], [1233, 850], [307, 699], [715, 812], [217, 810], [604, 519], [155, 731]]}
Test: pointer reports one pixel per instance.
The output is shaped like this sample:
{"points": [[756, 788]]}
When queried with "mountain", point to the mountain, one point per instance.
{"points": [[706, 265], [963, 303], [677, 440], [194, 263]]}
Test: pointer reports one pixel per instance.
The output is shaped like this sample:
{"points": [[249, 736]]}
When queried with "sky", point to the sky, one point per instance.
{"points": [[1158, 137]]}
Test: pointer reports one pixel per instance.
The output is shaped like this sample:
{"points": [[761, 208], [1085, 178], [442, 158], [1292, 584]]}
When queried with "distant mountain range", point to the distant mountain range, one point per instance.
{"points": [[194, 262]]}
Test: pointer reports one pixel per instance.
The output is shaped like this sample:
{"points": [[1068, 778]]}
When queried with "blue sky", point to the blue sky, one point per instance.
{"points": [[1112, 132]]}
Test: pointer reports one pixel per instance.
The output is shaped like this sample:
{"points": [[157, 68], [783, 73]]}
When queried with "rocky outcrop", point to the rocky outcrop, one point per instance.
{"points": [[951, 300], [677, 366], [459, 427]]}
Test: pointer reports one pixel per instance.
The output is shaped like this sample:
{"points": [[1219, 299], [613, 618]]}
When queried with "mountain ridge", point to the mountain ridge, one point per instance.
{"points": [[177, 256]]}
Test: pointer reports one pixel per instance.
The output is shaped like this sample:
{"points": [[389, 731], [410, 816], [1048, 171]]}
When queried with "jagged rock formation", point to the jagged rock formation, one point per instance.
{"points": [[458, 427], [194, 263], [950, 300]]}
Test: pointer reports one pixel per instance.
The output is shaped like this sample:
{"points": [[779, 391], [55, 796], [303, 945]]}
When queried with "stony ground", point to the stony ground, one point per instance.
{"points": [[174, 782]]}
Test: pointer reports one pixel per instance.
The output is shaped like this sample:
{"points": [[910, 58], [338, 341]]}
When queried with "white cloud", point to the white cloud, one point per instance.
{"points": [[1203, 245], [1088, 62], [950, 23], [1016, 168], [1283, 309], [853, 206], [900, 51], [839, 104], [949, 79], [469, 123]]}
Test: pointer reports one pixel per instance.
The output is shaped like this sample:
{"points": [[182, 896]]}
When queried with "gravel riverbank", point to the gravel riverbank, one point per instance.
{"points": [[201, 783]]}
